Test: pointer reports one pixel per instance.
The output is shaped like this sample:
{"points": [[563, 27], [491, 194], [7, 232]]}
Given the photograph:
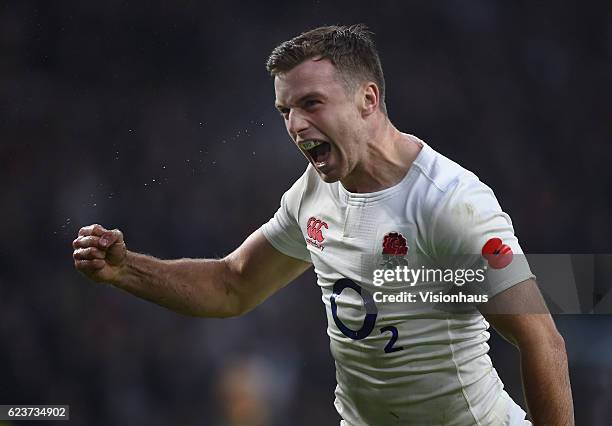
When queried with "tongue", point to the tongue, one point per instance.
{"points": [[320, 153]]}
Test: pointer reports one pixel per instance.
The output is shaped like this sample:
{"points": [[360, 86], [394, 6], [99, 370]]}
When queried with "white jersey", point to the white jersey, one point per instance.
{"points": [[397, 363]]}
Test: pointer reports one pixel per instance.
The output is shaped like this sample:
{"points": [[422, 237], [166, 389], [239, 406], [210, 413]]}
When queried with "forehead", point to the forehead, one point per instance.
{"points": [[312, 75]]}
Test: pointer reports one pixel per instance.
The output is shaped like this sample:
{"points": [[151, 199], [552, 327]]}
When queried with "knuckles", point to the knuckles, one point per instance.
{"points": [[87, 241], [88, 253], [94, 229], [87, 265], [90, 235]]}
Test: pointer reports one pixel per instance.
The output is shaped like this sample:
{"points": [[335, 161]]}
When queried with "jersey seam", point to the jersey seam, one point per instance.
{"points": [[301, 199], [429, 178], [436, 216], [467, 400]]}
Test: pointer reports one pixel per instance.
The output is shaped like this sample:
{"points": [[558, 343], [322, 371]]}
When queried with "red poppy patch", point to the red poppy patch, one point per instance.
{"points": [[498, 254]]}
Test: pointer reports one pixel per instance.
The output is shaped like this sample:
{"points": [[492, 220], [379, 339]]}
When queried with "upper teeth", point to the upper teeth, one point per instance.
{"points": [[308, 145]]}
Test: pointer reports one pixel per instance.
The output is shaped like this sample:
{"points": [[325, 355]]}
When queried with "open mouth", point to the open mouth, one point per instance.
{"points": [[317, 150]]}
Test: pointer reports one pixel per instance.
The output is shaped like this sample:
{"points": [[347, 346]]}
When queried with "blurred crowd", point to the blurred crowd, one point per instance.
{"points": [[158, 119]]}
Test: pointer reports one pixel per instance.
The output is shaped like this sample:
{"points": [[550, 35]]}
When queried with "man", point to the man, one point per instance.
{"points": [[370, 193]]}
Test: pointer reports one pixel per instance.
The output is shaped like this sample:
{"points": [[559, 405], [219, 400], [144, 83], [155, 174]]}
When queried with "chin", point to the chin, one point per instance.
{"points": [[329, 177]]}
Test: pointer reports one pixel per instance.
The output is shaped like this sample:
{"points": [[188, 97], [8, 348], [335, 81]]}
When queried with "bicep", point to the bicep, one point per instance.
{"points": [[520, 315], [256, 270]]}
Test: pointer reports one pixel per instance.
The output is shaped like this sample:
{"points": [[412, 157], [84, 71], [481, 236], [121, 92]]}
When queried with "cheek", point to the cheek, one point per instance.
{"points": [[344, 129], [350, 140]]}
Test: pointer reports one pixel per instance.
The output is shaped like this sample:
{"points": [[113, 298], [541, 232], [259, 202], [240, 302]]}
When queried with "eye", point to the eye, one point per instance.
{"points": [[310, 103], [284, 112]]}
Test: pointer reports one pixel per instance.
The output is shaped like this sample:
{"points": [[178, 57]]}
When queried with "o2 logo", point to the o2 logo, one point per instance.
{"points": [[369, 320]]}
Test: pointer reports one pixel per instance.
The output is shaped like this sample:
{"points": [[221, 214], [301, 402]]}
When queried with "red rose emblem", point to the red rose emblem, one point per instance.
{"points": [[395, 244]]}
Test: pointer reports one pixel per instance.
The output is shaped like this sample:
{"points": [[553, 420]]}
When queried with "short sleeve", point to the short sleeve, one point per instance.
{"points": [[283, 229], [470, 230]]}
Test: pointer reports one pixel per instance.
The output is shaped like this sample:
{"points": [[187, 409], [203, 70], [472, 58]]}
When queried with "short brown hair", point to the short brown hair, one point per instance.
{"points": [[350, 49]]}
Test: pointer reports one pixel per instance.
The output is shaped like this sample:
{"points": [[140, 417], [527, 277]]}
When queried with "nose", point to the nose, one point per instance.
{"points": [[296, 123]]}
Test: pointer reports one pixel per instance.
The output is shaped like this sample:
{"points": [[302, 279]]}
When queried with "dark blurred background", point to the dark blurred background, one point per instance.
{"points": [[157, 118]]}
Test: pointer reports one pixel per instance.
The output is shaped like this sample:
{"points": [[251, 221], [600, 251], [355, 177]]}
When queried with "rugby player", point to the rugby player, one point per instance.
{"points": [[370, 191]]}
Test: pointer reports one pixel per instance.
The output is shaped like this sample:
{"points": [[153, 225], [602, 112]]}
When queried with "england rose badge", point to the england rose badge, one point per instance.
{"points": [[394, 250]]}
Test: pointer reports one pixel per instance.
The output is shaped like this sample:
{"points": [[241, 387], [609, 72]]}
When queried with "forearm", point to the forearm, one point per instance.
{"points": [[197, 287], [546, 383]]}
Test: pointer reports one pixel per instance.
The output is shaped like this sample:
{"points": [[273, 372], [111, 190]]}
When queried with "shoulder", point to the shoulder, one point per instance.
{"points": [[445, 185], [440, 171], [457, 206], [306, 184], [307, 181]]}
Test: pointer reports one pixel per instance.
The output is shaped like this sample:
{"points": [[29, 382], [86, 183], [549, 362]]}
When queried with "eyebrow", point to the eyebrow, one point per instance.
{"points": [[312, 94]]}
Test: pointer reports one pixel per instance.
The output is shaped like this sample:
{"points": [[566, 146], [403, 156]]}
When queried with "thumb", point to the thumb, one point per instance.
{"points": [[111, 237]]}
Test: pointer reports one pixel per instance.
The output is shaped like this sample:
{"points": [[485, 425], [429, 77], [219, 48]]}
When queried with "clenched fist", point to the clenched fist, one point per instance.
{"points": [[99, 253]]}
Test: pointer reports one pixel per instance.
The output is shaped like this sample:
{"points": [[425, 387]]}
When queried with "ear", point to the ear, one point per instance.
{"points": [[370, 98]]}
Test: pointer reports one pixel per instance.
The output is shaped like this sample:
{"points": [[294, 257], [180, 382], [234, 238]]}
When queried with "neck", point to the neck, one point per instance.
{"points": [[386, 157]]}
